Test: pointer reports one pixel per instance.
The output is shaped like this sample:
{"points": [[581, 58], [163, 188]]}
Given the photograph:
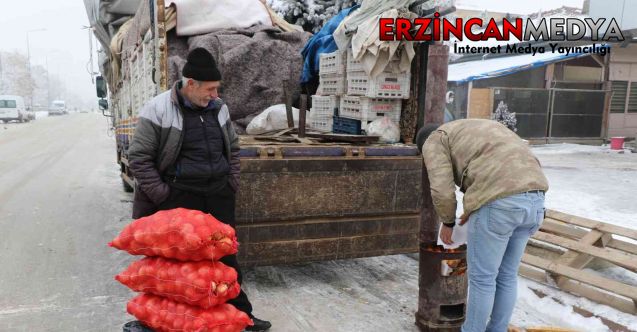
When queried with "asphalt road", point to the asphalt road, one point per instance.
{"points": [[60, 203]]}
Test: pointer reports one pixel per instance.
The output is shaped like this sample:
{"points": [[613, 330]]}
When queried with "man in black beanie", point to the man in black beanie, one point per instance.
{"points": [[185, 154]]}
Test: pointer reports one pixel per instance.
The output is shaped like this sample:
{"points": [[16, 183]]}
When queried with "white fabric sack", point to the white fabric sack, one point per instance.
{"points": [[198, 17], [273, 118], [384, 127], [458, 237]]}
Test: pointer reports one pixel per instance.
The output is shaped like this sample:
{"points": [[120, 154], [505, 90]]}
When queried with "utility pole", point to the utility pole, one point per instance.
{"points": [[29, 61], [48, 84], [0, 73]]}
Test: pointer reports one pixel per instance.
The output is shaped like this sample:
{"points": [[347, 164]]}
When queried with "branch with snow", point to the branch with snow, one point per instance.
{"points": [[505, 117]]}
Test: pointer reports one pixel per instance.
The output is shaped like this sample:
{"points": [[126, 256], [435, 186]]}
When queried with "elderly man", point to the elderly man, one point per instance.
{"points": [[185, 153], [503, 186]]}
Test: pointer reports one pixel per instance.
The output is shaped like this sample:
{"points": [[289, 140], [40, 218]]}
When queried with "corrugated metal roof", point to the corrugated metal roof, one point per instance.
{"points": [[496, 67]]}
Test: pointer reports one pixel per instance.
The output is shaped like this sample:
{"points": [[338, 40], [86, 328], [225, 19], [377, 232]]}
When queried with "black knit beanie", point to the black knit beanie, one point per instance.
{"points": [[201, 66]]}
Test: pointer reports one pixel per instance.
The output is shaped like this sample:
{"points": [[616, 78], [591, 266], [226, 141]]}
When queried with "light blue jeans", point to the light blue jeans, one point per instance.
{"points": [[496, 238]]}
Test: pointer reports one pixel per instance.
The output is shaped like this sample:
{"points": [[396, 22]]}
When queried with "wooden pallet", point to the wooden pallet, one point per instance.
{"points": [[578, 241]]}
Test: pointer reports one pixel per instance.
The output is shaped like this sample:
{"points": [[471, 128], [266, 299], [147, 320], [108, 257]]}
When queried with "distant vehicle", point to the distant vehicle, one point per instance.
{"points": [[12, 108], [58, 107]]}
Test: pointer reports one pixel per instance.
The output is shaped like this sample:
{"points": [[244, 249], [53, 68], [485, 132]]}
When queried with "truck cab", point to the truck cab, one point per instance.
{"points": [[12, 108]]}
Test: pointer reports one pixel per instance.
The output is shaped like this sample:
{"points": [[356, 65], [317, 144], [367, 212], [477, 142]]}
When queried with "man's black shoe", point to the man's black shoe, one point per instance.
{"points": [[259, 325], [136, 326]]}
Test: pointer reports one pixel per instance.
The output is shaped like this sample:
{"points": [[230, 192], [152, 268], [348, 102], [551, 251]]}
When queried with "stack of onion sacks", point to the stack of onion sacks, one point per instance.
{"points": [[184, 287]]}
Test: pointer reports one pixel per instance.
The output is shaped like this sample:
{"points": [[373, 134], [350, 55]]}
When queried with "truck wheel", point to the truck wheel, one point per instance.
{"points": [[127, 187]]}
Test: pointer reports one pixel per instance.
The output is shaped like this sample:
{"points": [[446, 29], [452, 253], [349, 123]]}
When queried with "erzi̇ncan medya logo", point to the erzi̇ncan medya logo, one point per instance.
{"points": [[553, 30]]}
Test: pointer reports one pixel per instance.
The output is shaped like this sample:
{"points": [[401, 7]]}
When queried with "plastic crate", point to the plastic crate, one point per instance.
{"points": [[385, 85], [370, 109], [346, 126], [332, 63], [353, 65], [324, 124], [323, 106], [333, 85]]}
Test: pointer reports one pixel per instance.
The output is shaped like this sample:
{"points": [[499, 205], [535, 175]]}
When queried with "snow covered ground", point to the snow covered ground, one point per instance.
{"points": [[596, 183]]}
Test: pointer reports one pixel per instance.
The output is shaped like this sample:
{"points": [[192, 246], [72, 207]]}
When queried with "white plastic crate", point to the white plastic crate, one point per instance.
{"points": [[333, 85], [324, 124], [353, 65], [368, 109], [332, 63], [323, 106], [385, 85], [356, 107]]}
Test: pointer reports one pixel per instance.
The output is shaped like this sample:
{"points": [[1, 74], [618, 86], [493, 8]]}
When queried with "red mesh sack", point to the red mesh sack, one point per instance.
{"points": [[182, 234], [204, 284], [165, 315]]}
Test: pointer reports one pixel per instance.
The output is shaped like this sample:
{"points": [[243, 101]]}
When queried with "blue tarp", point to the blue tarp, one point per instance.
{"points": [[321, 42]]}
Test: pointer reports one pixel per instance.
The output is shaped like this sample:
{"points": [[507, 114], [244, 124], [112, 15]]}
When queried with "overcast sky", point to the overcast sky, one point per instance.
{"points": [[66, 45], [520, 6]]}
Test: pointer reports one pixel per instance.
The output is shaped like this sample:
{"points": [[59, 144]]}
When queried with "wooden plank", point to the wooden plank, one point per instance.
{"points": [[563, 229], [582, 276], [287, 100], [344, 138], [624, 246], [579, 260], [614, 256], [560, 228], [583, 290], [302, 109], [533, 273], [481, 104], [593, 224]]}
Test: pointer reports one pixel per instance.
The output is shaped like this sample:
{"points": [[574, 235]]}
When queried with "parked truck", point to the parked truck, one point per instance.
{"points": [[298, 202]]}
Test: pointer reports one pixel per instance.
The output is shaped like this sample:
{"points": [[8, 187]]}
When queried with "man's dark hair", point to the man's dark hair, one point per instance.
{"points": [[424, 133]]}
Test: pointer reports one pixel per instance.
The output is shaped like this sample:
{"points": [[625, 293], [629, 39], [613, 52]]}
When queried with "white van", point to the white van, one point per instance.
{"points": [[58, 107], [13, 108]]}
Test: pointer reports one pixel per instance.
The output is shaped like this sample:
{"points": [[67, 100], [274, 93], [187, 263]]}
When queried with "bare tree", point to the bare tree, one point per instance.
{"points": [[15, 76]]}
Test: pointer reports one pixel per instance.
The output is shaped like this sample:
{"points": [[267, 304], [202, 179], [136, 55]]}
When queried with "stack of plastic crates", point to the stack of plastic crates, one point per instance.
{"points": [[369, 109], [368, 99], [332, 81], [321, 115]]}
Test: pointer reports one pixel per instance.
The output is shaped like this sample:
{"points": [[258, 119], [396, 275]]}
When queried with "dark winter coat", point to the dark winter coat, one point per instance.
{"points": [[156, 145]]}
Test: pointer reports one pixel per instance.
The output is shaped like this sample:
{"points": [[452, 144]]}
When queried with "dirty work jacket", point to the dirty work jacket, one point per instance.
{"points": [[482, 157]]}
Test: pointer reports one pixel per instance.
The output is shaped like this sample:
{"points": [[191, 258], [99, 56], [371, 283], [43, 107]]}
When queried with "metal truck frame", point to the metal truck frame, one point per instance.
{"points": [[297, 202]]}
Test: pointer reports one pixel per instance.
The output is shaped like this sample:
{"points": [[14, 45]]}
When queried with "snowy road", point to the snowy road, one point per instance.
{"points": [[61, 202]]}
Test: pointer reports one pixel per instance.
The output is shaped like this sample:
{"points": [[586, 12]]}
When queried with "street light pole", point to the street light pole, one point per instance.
{"points": [[29, 60]]}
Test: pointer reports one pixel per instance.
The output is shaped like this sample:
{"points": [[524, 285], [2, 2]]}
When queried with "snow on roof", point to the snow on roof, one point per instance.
{"points": [[496, 67], [513, 39]]}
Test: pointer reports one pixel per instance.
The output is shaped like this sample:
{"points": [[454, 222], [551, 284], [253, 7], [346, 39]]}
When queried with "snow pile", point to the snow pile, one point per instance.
{"points": [[531, 310], [567, 148]]}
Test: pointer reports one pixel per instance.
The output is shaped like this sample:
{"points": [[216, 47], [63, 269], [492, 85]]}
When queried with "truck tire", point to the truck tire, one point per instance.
{"points": [[127, 187]]}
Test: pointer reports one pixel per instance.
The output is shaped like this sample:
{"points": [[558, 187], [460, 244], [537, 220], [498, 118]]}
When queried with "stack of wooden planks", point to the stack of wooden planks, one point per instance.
{"points": [[558, 254]]}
